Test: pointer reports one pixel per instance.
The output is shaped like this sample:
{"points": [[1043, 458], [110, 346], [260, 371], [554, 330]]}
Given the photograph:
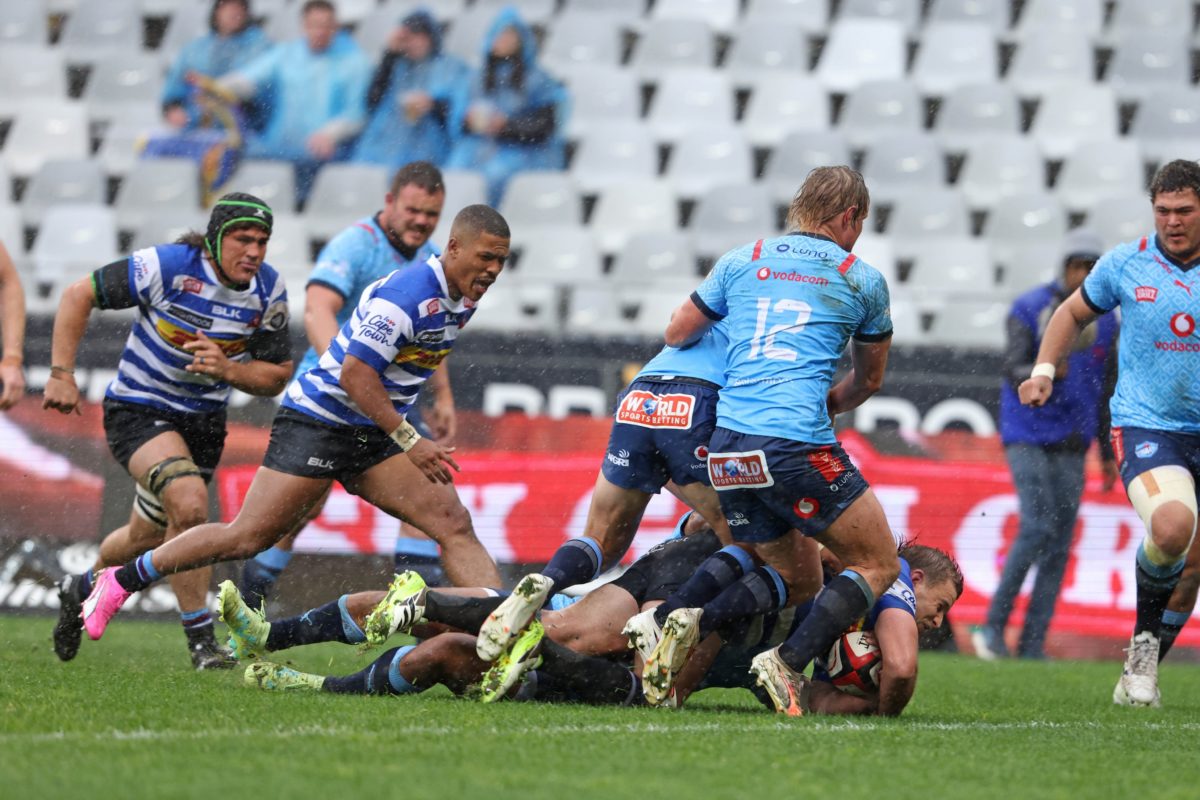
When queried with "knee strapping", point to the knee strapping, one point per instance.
{"points": [[149, 508], [162, 474], [1155, 488]]}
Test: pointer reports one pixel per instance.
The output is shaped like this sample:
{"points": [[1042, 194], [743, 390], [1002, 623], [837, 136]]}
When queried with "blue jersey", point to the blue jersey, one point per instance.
{"points": [[178, 295], [791, 303], [404, 326], [1158, 380], [704, 360], [353, 260]]}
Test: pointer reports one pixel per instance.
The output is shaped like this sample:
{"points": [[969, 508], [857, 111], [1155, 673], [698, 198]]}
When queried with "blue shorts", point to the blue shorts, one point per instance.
{"points": [[768, 485], [1138, 450], [660, 433]]}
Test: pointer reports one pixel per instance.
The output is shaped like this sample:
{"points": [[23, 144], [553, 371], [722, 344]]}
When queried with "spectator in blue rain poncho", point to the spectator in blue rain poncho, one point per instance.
{"points": [[232, 42], [415, 97], [515, 111]]}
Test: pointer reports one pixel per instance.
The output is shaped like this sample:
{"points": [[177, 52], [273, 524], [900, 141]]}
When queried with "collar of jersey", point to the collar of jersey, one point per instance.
{"points": [[1174, 261], [439, 272], [812, 235]]}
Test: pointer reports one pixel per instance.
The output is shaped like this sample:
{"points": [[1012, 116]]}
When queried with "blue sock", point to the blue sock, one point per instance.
{"points": [[839, 605], [86, 581], [260, 573], [577, 561], [139, 573], [1172, 626], [382, 676], [758, 592], [1154, 587], [718, 571], [196, 620], [328, 623]]}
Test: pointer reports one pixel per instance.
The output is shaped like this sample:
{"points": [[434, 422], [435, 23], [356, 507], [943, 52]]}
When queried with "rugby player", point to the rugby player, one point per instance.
{"points": [[213, 317], [1156, 406], [345, 420]]}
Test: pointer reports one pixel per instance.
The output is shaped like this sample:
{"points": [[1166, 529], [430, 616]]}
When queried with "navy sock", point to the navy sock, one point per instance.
{"points": [[196, 621], [138, 574], [85, 583], [761, 591], [465, 613], [1172, 626], [329, 623], [428, 567], [382, 676], [839, 605], [577, 561], [718, 571], [260, 574], [1155, 584]]}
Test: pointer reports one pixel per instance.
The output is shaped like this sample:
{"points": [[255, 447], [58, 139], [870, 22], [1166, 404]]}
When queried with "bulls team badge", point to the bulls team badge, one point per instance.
{"points": [[825, 462], [739, 470], [650, 410]]}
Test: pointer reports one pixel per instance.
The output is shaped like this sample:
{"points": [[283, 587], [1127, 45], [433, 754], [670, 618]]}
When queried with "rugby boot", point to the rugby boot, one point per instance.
{"points": [[206, 653], [512, 615], [643, 633], [69, 628], [680, 634], [788, 689], [103, 603], [1138, 685], [278, 678], [521, 655], [400, 609], [248, 629]]}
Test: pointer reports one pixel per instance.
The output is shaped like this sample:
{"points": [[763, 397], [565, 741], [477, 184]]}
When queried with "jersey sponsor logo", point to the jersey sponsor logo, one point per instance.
{"points": [[321, 463], [1183, 325], [430, 307], [190, 317], [140, 267], [421, 357], [1145, 449], [379, 328], [186, 283], [901, 590], [806, 507], [177, 336], [827, 464], [650, 410], [434, 336], [739, 470], [792, 276], [701, 453], [1145, 294], [620, 458], [1186, 287], [737, 519], [224, 311], [275, 318], [1118, 444]]}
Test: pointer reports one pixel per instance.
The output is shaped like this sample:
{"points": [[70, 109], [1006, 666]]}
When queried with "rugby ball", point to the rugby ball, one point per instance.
{"points": [[853, 663]]}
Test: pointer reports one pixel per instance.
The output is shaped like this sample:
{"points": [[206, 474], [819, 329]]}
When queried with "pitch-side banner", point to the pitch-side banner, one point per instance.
{"points": [[525, 505]]}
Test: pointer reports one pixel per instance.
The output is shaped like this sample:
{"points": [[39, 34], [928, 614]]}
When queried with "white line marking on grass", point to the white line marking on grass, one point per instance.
{"points": [[773, 728]]}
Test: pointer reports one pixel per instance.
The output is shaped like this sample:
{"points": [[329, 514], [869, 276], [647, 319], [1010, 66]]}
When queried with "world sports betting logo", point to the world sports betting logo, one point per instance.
{"points": [[739, 470], [650, 410]]}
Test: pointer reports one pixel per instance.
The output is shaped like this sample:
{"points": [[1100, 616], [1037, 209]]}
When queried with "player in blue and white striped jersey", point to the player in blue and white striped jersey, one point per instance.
{"points": [[212, 317], [344, 420]]}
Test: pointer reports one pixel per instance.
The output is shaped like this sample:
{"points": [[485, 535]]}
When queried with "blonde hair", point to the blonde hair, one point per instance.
{"points": [[827, 192]]}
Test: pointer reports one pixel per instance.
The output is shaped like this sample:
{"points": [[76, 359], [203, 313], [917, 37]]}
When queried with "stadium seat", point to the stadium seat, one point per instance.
{"points": [[31, 73], [463, 188], [1069, 115], [12, 232], [284, 24], [998, 166], [971, 111], [290, 252], [274, 182], [1121, 218], [515, 307], [902, 163], [535, 12], [948, 269], [170, 224], [1167, 16], [669, 44], [811, 15], [927, 214], [781, 104], [1048, 58], [906, 320], [124, 139], [1020, 220], [352, 12], [465, 36], [720, 15], [581, 42], [59, 182], [6, 193], [1100, 169], [595, 309], [614, 152], [599, 95], [709, 155], [97, 31], [558, 258], [881, 109], [1167, 124], [763, 49], [654, 257], [996, 14], [860, 50], [187, 22], [905, 12], [797, 155], [542, 199], [654, 306], [24, 22], [953, 54], [1055, 16], [121, 80], [632, 206], [45, 130], [342, 193], [1145, 61], [1023, 265], [74, 240], [880, 254], [687, 99], [155, 184], [730, 215], [972, 325], [629, 11]]}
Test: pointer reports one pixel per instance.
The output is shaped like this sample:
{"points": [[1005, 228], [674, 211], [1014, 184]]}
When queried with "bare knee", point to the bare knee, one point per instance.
{"points": [[186, 509], [1171, 528], [454, 528]]}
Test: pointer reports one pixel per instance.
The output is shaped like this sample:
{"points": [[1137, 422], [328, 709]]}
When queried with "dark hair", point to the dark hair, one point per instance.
{"points": [[421, 174], [1176, 176], [477, 219], [937, 565], [212, 15], [317, 5], [192, 239]]}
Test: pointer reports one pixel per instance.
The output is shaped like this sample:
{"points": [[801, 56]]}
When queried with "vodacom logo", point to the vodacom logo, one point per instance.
{"points": [[1183, 325], [763, 274]]}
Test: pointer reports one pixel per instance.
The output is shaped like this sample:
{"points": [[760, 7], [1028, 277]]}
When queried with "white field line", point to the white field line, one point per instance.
{"points": [[799, 727]]}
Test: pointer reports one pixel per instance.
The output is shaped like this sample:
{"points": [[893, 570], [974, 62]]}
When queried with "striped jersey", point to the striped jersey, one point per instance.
{"points": [[404, 326], [178, 294]]}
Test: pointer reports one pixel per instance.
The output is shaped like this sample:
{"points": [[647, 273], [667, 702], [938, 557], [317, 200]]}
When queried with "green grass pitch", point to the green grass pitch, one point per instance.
{"points": [[129, 718]]}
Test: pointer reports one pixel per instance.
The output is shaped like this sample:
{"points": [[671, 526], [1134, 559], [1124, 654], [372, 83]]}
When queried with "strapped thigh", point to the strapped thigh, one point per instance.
{"points": [[162, 474]]}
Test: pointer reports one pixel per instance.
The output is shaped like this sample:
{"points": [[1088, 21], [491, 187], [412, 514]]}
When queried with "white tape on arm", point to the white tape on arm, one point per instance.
{"points": [[1044, 370], [406, 436]]}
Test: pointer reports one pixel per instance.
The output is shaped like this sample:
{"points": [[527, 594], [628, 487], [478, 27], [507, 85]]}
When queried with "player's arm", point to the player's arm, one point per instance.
{"points": [[1071, 317], [321, 307], [868, 362], [896, 636], [12, 328], [264, 375], [688, 323], [70, 323], [442, 415]]}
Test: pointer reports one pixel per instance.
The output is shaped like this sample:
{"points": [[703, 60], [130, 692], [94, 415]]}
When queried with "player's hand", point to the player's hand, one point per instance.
{"points": [[207, 358], [321, 146], [61, 394], [1035, 391], [442, 421], [432, 459], [1108, 469], [176, 117], [13, 378]]}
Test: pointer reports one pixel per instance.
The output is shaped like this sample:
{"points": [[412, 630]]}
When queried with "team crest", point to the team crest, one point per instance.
{"points": [[1145, 449], [186, 283]]}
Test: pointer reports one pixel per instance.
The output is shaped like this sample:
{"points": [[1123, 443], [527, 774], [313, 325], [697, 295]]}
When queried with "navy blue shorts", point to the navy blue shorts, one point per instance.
{"points": [[660, 433], [1138, 450], [305, 446], [768, 485]]}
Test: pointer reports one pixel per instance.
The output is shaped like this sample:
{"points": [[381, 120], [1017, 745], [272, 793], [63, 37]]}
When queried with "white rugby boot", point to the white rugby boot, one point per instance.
{"points": [[1138, 685]]}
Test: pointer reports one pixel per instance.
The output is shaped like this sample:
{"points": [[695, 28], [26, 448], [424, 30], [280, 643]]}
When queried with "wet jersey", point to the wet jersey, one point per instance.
{"points": [[404, 326], [178, 295], [791, 303], [704, 360], [353, 260], [1158, 383]]}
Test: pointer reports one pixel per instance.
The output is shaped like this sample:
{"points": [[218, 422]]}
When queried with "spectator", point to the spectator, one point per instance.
{"points": [[314, 88], [1046, 447], [232, 42], [414, 99], [514, 112], [12, 333]]}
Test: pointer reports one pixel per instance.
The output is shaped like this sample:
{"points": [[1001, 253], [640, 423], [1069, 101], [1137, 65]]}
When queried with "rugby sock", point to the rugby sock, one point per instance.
{"points": [[382, 676], [138, 574], [577, 561], [1172, 626], [1155, 584], [85, 583], [260, 573], [465, 613], [194, 621], [329, 623], [841, 603], [587, 679], [428, 567], [760, 591], [719, 570]]}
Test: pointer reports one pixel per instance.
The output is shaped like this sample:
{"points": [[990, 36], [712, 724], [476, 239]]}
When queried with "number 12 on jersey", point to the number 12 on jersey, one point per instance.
{"points": [[763, 342]]}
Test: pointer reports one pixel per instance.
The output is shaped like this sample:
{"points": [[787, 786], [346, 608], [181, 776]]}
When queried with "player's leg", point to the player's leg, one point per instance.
{"points": [[1183, 601], [260, 574], [593, 625]]}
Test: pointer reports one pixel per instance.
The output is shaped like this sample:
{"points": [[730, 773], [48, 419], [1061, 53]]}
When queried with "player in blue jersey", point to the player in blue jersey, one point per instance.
{"points": [[792, 304], [345, 420], [660, 434], [1156, 406], [397, 237], [212, 317]]}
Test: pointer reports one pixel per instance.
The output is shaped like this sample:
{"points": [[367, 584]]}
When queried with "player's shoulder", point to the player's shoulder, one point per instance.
{"points": [[169, 260], [1142, 247], [361, 234], [270, 280], [741, 255]]}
